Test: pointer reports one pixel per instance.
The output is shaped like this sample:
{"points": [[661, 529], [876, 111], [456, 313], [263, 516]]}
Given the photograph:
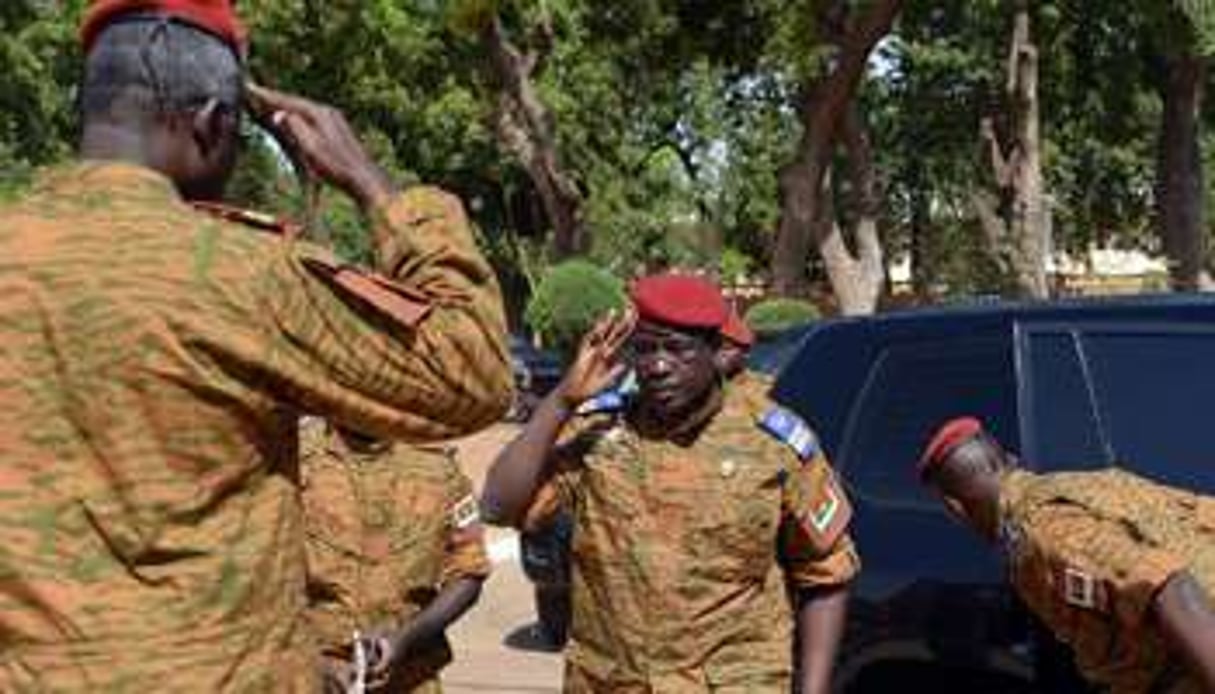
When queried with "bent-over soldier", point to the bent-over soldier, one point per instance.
{"points": [[396, 553], [154, 357], [700, 512], [1118, 567]]}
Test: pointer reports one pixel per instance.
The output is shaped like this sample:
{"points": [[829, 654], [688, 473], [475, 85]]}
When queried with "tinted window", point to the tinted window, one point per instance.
{"points": [[911, 391], [1154, 390], [1062, 429]]}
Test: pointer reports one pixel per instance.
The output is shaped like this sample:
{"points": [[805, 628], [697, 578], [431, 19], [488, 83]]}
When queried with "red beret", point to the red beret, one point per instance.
{"points": [[215, 16], [953, 434], [736, 330], [681, 301]]}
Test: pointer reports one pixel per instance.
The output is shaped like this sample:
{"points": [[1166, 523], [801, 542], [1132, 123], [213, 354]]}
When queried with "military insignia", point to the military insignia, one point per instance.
{"points": [[789, 429], [825, 511], [612, 400], [605, 402], [822, 516], [1081, 589], [466, 513]]}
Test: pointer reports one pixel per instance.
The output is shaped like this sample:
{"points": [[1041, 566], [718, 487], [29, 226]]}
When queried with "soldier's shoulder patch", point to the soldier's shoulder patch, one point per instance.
{"points": [[790, 430], [610, 400], [249, 218], [1083, 590], [465, 513], [822, 506], [607, 402]]}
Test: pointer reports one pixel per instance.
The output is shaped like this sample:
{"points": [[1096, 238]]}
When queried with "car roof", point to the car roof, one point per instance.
{"points": [[824, 379]]}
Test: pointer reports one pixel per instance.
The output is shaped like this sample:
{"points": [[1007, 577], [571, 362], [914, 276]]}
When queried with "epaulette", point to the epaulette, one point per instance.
{"points": [[604, 403], [790, 430], [614, 399], [249, 218]]}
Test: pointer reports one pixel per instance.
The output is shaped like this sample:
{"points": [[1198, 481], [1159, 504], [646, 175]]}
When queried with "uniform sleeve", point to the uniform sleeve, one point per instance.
{"points": [[417, 352], [815, 547], [465, 554], [560, 489], [1096, 564]]}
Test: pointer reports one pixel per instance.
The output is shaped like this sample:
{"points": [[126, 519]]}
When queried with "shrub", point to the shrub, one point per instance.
{"points": [[568, 300], [774, 315]]}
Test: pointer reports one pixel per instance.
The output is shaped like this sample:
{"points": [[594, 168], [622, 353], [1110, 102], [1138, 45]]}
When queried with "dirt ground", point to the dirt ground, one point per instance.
{"points": [[495, 645]]}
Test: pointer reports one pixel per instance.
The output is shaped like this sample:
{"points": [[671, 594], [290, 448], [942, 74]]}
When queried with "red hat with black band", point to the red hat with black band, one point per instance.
{"points": [[680, 301], [217, 17], [952, 435]]}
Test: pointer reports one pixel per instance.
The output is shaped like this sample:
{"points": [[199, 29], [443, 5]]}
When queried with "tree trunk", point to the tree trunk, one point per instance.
{"points": [[526, 129], [821, 106], [856, 278], [1030, 219], [1181, 208], [1016, 224]]}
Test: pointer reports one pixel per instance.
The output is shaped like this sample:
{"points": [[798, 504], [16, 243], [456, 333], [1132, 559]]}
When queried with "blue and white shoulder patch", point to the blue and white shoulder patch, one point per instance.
{"points": [[607, 402], [611, 400], [790, 430]]}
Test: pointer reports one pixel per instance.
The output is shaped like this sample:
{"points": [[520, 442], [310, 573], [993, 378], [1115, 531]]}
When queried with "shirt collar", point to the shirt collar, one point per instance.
{"points": [[116, 178]]}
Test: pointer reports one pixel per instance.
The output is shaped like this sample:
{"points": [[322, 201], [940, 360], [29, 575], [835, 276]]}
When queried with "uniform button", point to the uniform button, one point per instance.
{"points": [[728, 468]]}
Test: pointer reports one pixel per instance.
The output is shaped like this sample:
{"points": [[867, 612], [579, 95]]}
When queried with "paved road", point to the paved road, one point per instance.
{"points": [[495, 648]]}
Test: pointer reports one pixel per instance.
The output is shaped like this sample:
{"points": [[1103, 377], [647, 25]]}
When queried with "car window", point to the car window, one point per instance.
{"points": [[913, 389], [1062, 428], [1154, 389]]}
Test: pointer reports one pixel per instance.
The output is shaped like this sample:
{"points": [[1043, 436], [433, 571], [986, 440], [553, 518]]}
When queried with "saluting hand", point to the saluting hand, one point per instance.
{"points": [[321, 139], [598, 363]]}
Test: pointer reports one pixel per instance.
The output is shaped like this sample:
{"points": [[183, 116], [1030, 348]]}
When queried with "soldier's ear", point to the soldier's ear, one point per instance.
{"points": [[721, 361], [209, 126]]}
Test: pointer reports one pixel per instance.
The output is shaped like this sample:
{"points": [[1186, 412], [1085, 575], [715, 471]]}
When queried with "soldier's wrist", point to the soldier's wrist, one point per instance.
{"points": [[562, 403], [372, 189]]}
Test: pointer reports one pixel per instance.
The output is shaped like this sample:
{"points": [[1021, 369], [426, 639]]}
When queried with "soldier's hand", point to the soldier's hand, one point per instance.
{"points": [[321, 139], [598, 363]]}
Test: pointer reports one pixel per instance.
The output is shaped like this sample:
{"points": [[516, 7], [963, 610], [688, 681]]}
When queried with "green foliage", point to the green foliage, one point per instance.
{"points": [[39, 59], [569, 299], [774, 315], [1201, 16], [675, 118]]}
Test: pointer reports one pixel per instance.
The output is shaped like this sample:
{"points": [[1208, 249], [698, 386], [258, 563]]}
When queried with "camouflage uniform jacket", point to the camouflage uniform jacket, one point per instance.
{"points": [[388, 526], [1088, 552], [153, 361], [683, 556]]}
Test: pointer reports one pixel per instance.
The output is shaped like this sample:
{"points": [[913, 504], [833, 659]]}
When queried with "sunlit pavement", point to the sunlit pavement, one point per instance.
{"points": [[495, 647]]}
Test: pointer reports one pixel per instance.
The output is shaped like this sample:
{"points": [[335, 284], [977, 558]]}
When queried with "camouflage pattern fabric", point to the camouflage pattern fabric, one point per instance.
{"points": [[1088, 552], [755, 384], [153, 361], [388, 526], [682, 556]]}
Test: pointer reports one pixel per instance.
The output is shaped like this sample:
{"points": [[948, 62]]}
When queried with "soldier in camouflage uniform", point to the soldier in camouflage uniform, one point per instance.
{"points": [[155, 358], [701, 512], [1118, 567], [396, 552]]}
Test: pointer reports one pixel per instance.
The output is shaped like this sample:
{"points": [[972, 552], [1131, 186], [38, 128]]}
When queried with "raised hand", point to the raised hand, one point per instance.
{"points": [[319, 138], [598, 363]]}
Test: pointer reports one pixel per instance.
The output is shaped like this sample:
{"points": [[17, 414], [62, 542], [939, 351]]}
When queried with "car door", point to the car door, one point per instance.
{"points": [[929, 588], [1130, 394]]}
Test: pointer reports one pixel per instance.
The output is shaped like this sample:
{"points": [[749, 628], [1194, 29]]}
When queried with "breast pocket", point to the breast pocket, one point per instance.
{"points": [[739, 515]]}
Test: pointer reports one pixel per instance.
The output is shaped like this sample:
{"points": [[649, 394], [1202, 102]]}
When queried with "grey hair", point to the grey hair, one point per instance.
{"points": [[149, 65]]}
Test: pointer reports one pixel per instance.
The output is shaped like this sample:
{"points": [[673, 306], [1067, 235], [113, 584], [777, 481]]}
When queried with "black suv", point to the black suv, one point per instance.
{"points": [[1069, 385]]}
